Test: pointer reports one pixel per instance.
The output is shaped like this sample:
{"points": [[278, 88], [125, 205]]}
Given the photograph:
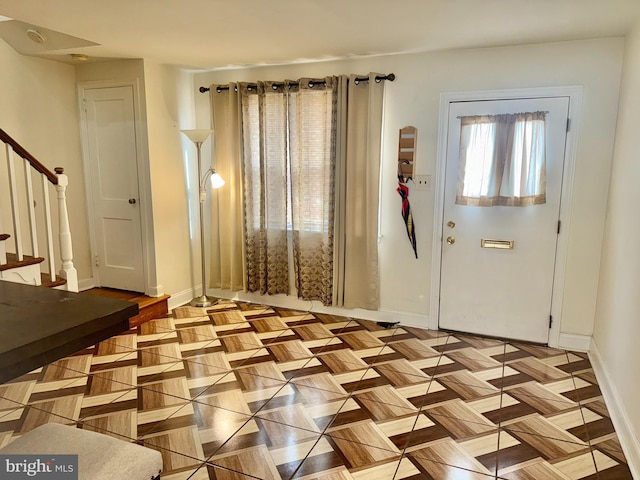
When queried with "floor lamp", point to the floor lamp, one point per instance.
{"points": [[199, 137]]}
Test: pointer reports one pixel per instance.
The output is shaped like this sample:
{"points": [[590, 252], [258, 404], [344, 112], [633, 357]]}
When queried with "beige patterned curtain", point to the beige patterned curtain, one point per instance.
{"points": [[264, 127], [359, 128], [312, 135], [502, 160], [227, 234], [310, 165]]}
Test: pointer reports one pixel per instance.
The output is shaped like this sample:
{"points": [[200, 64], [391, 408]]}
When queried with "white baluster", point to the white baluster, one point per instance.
{"points": [[14, 202], [68, 271], [48, 227], [31, 207]]}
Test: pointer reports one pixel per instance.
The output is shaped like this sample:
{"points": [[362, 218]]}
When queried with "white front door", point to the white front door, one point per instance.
{"points": [[113, 170], [502, 292]]}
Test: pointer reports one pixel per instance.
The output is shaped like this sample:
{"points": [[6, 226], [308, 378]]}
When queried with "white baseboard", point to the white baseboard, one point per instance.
{"points": [[155, 291], [181, 298], [85, 284], [577, 343], [405, 318], [285, 301], [619, 417]]}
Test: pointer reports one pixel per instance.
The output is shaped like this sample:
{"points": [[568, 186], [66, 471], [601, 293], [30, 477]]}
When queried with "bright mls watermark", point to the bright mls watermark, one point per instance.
{"points": [[50, 467]]}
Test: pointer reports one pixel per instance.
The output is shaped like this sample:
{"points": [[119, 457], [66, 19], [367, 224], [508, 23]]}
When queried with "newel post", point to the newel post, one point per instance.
{"points": [[68, 271]]}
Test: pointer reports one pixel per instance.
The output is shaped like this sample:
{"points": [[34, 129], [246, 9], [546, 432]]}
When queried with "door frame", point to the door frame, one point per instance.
{"points": [[575, 106], [151, 287]]}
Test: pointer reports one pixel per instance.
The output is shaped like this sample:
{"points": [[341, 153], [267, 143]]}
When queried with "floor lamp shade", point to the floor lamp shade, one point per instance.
{"points": [[197, 136]]}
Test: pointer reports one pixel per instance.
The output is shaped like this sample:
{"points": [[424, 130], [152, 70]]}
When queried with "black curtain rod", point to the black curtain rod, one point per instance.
{"points": [[391, 77]]}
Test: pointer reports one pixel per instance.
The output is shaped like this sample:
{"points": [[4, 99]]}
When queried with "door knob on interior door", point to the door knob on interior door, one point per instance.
{"points": [[132, 201], [451, 240]]}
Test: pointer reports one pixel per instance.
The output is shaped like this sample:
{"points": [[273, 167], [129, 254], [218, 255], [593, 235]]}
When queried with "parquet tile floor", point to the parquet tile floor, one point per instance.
{"points": [[245, 391]]}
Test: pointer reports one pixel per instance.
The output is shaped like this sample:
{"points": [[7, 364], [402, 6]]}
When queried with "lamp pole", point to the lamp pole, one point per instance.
{"points": [[199, 137]]}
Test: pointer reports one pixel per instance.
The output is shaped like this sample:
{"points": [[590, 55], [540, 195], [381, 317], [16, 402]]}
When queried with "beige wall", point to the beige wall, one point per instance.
{"points": [[167, 112], [112, 71], [617, 327], [38, 108], [413, 99]]}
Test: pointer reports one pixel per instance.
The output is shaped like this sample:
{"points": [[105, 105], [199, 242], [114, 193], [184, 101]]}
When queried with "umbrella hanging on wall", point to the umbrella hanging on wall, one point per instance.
{"points": [[406, 157]]}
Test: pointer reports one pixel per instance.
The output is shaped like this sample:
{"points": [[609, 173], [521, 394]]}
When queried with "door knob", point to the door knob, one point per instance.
{"points": [[451, 224], [451, 240], [132, 201]]}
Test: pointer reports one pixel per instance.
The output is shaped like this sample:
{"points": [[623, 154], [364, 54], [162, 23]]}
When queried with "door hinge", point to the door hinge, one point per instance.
{"points": [[84, 104], [550, 320], [559, 223], [568, 124], [97, 261]]}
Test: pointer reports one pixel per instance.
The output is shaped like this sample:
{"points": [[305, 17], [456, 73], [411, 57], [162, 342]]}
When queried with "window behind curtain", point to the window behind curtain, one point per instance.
{"points": [[294, 127], [264, 120], [502, 160], [311, 164]]}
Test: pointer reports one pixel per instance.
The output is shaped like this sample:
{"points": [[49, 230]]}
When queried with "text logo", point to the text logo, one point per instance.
{"points": [[50, 467]]}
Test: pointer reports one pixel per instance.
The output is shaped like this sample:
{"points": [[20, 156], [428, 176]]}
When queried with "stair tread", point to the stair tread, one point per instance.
{"points": [[13, 262], [46, 281], [136, 297], [147, 301], [149, 307]]}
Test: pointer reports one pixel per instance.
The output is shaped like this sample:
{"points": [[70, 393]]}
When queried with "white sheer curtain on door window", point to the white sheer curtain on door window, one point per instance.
{"points": [[502, 160]]}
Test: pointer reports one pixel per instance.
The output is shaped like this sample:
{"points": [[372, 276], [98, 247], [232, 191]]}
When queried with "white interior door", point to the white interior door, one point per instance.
{"points": [[112, 159], [503, 292]]}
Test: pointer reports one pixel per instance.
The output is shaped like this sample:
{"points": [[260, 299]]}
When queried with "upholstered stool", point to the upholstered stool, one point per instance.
{"points": [[100, 457]]}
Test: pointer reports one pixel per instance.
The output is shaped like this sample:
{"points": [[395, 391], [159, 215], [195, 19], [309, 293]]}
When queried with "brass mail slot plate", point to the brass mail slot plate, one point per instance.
{"points": [[504, 244]]}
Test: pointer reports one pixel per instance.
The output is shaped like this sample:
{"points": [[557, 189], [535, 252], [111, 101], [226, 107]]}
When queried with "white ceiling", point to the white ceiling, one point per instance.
{"points": [[207, 34]]}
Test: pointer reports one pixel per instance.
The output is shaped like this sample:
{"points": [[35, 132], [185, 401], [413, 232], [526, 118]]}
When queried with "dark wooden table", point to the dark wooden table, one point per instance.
{"points": [[40, 325]]}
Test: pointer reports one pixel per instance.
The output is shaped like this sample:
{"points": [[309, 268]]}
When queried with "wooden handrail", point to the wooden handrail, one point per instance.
{"points": [[52, 177]]}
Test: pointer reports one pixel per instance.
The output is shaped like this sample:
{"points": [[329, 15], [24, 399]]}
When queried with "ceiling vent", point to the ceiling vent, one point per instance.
{"points": [[36, 36]]}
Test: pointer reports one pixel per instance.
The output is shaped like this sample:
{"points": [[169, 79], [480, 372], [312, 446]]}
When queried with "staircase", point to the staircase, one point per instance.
{"points": [[23, 208]]}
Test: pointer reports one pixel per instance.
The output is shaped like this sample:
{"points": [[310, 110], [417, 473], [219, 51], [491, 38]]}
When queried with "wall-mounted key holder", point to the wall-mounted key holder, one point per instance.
{"points": [[407, 152]]}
